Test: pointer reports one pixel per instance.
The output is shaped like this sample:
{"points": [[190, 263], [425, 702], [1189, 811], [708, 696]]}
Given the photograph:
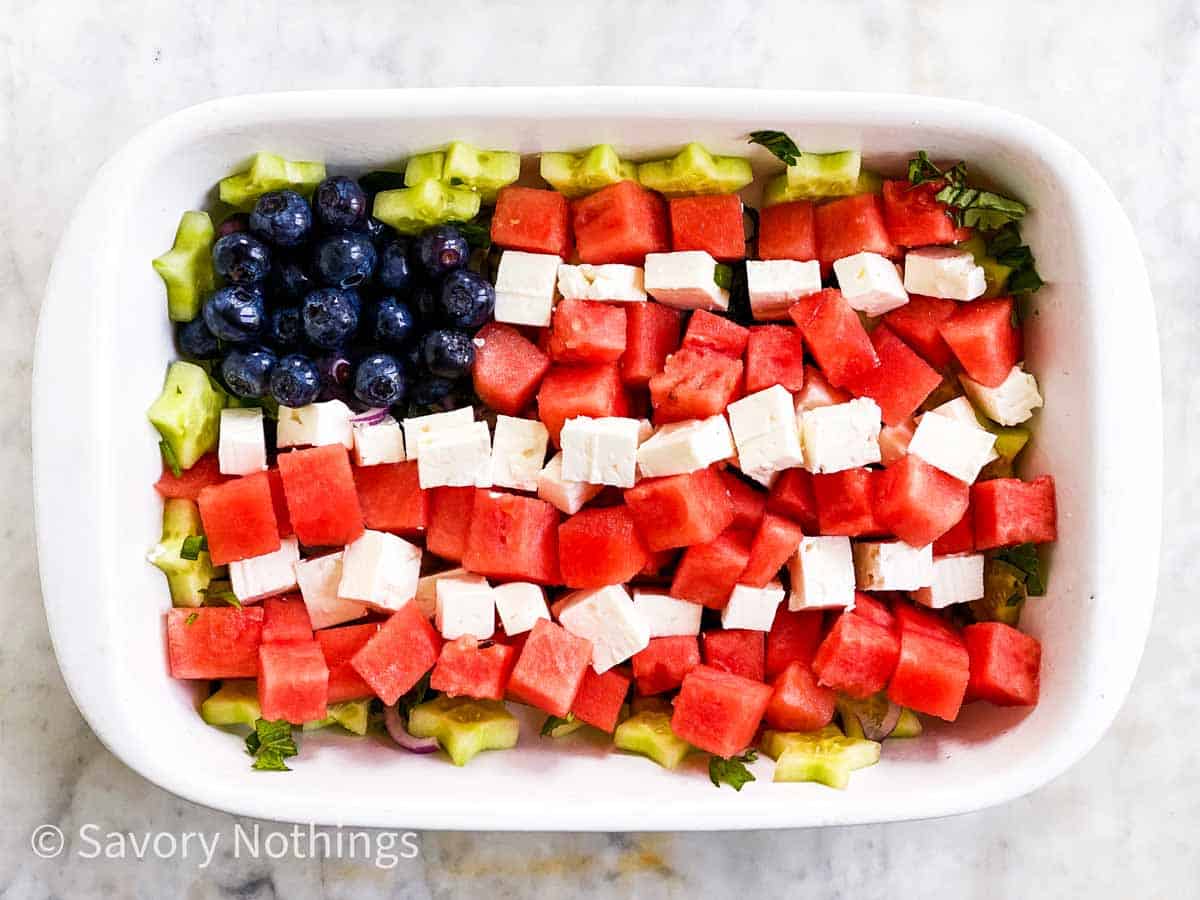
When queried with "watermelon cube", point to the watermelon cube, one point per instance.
{"points": [[909, 617], [848, 226], [875, 610], [239, 518], [736, 650], [846, 502], [857, 657], [467, 668], [508, 368], [584, 331], [719, 712], [708, 572], [600, 697], [651, 335], [694, 384], [901, 381], [601, 546], [835, 335], [187, 486], [582, 390], [321, 497], [449, 521], [931, 675], [285, 619], [787, 231], [1005, 664], [513, 538], [914, 217], [817, 391], [532, 220], [279, 501], [339, 646], [917, 502], [798, 702], [792, 496], [959, 539], [391, 498], [984, 339], [293, 682], [918, 323], [749, 502], [794, 637], [774, 355], [550, 669], [709, 222], [398, 654], [774, 543], [708, 331], [1009, 511], [662, 665], [214, 641], [680, 510], [620, 223]]}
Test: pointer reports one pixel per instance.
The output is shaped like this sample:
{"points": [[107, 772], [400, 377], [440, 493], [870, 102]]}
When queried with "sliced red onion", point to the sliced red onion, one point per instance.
{"points": [[878, 729], [398, 729], [371, 417]]}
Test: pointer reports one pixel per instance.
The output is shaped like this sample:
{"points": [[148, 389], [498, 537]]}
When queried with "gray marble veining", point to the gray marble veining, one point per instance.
{"points": [[77, 79]]}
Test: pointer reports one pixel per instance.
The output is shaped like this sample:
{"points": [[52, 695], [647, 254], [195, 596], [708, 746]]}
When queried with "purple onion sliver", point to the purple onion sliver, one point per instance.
{"points": [[885, 727], [371, 417], [396, 728]]}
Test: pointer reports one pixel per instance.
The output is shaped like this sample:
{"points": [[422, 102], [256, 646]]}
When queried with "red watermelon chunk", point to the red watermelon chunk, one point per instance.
{"points": [[749, 502], [620, 223], [909, 617], [931, 675], [579, 390], [600, 697], [508, 368], [601, 546], [787, 231], [736, 650], [550, 669], [584, 331], [984, 339], [513, 538], [399, 654], [846, 502], [239, 518], [190, 482], [901, 381], [339, 646], [217, 642], [708, 572], [293, 682], [708, 331], [776, 540], [1009, 511], [874, 610], [391, 498], [709, 222], [794, 637], [1005, 664], [719, 712], [848, 226], [798, 702], [532, 220], [279, 500], [959, 539], [694, 384], [680, 510], [285, 619], [321, 497], [917, 502], [651, 335], [857, 657], [449, 521], [792, 496], [467, 668], [664, 662], [835, 335], [774, 355], [817, 391], [918, 323], [913, 217]]}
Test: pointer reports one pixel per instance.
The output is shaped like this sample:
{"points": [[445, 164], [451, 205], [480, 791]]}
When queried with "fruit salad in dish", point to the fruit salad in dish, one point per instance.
{"points": [[597, 436]]}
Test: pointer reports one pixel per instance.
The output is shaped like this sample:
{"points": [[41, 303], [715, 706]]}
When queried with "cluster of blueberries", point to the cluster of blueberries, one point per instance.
{"points": [[322, 301]]}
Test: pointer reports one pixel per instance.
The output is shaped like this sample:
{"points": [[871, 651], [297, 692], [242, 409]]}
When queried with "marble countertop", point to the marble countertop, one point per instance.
{"points": [[76, 84]]}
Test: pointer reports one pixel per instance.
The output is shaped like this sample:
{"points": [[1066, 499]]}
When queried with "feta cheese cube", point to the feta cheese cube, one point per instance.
{"points": [[892, 566], [955, 448], [752, 608], [607, 617], [775, 284], [685, 280], [682, 447], [426, 596], [520, 605], [943, 272], [956, 579], [525, 287], [566, 496], [419, 425], [843, 436], [465, 606], [765, 432], [518, 452], [1009, 403], [319, 579], [266, 575], [380, 570], [375, 445], [667, 616], [455, 457], [961, 410], [315, 425], [612, 283], [600, 451], [870, 283], [822, 574], [243, 446]]}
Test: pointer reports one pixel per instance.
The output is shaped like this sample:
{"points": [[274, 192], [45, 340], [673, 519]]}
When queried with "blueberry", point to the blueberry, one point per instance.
{"points": [[344, 260], [468, 300], [241, 258], [196, 340], [432, 390], [247, 373], [393, 272], [295, 381], [330, 316], [233, 223], [448, 353], [335, 372], [379, 380], [394, 323], [289, 280], [285, 328], [281, 218], [340, 204], [442, 249], [236, 314], [378, 231]]}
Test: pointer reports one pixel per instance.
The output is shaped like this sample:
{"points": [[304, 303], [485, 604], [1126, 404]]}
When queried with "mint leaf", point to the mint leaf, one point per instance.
{"points": [[170, 458], [191, 619], [732, 771], [985, 210], [192, 546], [270, 744], [1006, 248], [1025, 558], [223, 595], [478, 232], [723, 276], [553, 722], [780, 145]]}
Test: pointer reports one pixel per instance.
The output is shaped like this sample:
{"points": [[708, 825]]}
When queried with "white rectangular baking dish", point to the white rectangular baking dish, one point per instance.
{"points": [[103, 344]]}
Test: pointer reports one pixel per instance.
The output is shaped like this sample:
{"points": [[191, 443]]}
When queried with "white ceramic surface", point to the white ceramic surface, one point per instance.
{"points": [[96, 516]]}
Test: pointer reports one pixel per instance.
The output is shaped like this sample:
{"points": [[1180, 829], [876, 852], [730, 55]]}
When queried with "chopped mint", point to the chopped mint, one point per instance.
{"points": [[223, 595], [780, 145], [169, 457], [723, 276], [191, 619], [193, 545], [968, 206], [1025, 558], [553, 722], [478, 231], [270, 744], [1006, 248], [732, 771]]}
